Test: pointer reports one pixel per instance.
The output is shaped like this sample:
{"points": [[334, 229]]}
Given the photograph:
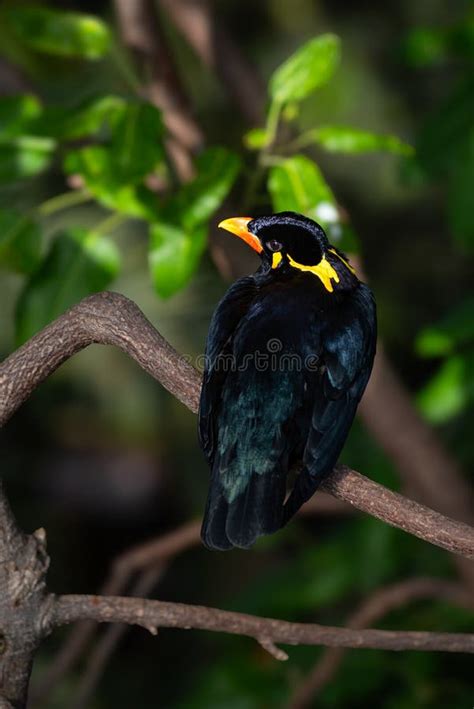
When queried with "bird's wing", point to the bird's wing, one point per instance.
{"points": [[249, 427], [225, 320], [348, 348]]}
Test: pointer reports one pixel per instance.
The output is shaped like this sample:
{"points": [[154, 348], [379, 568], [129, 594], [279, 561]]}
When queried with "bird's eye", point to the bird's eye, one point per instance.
{"points": [[274, 245]]}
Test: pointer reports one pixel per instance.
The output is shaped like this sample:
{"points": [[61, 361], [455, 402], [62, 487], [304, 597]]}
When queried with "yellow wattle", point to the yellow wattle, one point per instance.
{"points": [[323, 270], [346, 263]]}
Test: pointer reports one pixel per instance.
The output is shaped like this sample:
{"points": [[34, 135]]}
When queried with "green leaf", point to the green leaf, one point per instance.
{"points": [[256, 138], [460, 212], [137, 141], [297, 184], [450, 390], [67, 34], [78, 263], [455, 330], [17, 113], [310, 67], [96, 167], [174, 256], [344, 139], [70, 123], [197, 201], [24, 156], [424, 46], [446, 135], [112, 172], [20, 241], [290, 112]]}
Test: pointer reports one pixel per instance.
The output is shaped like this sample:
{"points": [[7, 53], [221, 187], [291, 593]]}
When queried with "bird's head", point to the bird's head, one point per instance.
{"points": [[292, 243]]}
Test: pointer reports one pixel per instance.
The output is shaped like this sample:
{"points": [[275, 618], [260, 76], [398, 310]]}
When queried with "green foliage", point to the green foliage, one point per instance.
{"points": [[17, 114], [134, 149], [451, 389], [454, 331], [176, 246], [346, 139], [256, 138], [24, 156], [196, 202], [136, 146], [173, 256], [425, 46], [294, 181], [309, 68], [87, 119], [79, 263], [297, 184], [66, 34], [20, 241], [445, 152], [445, 144], [122, 145]]}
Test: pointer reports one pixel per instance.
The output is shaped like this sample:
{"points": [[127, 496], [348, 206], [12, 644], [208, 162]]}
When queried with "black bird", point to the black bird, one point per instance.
{"points": [[289, 353]]}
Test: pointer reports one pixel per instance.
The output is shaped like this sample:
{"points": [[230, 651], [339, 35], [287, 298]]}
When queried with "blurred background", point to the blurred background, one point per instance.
{"points": [[127, 130]]}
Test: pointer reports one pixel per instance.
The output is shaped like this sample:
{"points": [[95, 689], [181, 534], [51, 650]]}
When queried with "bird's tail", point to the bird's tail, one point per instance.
{"points": [[237, 520], [304, 487]]}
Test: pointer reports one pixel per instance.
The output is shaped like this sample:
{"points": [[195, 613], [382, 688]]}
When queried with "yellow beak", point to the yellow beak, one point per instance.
{"points": [[238, 226]]}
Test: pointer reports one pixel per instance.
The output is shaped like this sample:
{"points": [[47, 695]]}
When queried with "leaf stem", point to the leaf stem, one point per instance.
{"points": [[109, 223], [272, 124], [63, 201], [271, 128]]}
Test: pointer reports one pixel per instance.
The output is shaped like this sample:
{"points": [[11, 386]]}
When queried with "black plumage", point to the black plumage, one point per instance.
{"points": [[288, 356]]}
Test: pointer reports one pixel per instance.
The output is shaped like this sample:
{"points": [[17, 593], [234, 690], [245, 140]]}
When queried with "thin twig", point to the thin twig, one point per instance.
{"points": [[159, 614], [153, 553], [139, 558], [381, 603], [105, 647]]}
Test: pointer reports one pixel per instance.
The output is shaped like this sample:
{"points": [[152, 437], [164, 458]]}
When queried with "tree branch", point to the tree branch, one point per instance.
{"points": [[379, 604], [142, 34], [110, 318], [217, 51], [156, 552], [105, 647], [152, 615], [23, 565]]}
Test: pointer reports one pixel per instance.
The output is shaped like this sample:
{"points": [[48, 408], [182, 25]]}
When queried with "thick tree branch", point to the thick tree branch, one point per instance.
{"points": [[110, 318], [152, 615], [23, 602], [103, 318]]}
